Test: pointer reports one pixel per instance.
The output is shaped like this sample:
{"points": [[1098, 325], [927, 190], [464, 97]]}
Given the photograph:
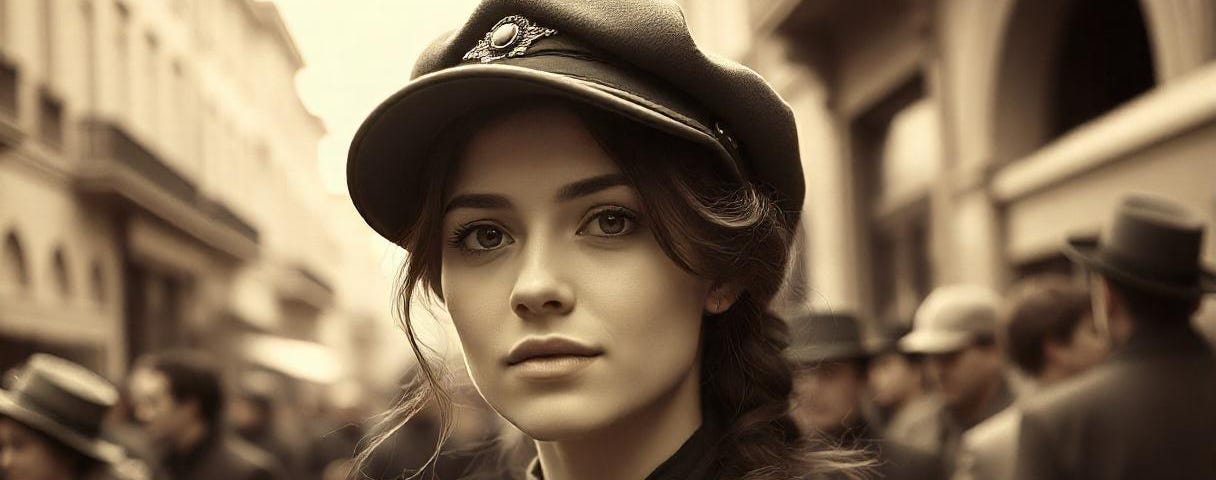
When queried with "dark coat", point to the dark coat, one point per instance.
{"points": [[695, 460], [222, 457], [899, 462], [1148, 413]]}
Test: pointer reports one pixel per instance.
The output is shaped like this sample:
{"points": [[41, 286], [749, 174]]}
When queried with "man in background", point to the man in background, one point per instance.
{"points": [[897, 386], [955, 329], [178, 399], [1148, 412], [1050, 336], [829, 390]]}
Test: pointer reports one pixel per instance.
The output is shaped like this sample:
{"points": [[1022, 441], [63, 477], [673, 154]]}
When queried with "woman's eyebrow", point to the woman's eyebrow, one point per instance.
{"points": [[589, 186], [477, 200]]}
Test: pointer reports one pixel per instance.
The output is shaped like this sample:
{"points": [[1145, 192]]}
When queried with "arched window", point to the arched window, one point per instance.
{"points": [[14, 275], [1104, 59], [63, 277], [1064, 63]]}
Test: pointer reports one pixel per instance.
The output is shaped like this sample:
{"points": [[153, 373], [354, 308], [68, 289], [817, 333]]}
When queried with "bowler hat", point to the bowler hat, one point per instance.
{"points": [[1153, 245], [951, 318], [825, 337], [631, 57], [63, 400]]}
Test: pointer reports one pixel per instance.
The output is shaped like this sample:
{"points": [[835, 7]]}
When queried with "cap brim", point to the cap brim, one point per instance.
{"points": [[927, 342], [392, 148], [96, 449]]}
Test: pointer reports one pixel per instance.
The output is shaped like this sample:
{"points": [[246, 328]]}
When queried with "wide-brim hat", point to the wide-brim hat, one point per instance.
{"points": [[817, 337], [634, 58], [1153, 245], [64, 401]]}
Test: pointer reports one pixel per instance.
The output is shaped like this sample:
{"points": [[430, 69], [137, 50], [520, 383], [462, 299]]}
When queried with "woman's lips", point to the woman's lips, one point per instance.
{"points": [[550, 357]]}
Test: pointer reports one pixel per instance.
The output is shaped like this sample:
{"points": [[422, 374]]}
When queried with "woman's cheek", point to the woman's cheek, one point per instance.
{"points": [[479, 311], [652, 310]]}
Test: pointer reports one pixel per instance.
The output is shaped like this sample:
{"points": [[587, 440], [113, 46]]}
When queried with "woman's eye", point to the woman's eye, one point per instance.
{"points": [[610, 223], [483, 238]]}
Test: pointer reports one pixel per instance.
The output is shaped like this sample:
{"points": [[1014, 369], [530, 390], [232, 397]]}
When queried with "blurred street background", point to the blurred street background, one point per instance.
{"points": [[172, 171]]}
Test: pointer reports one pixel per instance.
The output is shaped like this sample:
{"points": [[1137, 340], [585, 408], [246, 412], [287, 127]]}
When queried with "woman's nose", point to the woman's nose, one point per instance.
{"points": [[541, 288]]}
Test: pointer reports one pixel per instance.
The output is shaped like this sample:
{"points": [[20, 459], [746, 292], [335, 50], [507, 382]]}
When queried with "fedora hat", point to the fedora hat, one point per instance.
{"points": [[825, 337], [634, 58], [951, 318], [1151, 244], [63, 400]]}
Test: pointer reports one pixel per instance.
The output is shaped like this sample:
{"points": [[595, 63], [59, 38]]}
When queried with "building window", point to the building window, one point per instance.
{"points": [[47, 13], [4, 23], [14, 276], [63, 277], [181, 115], [122, 56], [152, 76], [1104, 59], [8, 90], [50, 120], [90, 50], [97, 281], [894, 172]]}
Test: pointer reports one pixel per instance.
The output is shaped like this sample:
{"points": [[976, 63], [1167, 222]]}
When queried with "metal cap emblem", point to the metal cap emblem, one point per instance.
{"points": [[510, 37]]}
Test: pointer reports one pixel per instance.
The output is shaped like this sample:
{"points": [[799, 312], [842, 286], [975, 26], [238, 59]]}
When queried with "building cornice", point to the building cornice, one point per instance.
{"points": [[1160, 114]]}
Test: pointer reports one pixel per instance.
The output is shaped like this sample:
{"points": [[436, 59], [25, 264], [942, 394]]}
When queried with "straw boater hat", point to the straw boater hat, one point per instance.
{"points": [[63, 400], [634, 58], [1152, 244]]}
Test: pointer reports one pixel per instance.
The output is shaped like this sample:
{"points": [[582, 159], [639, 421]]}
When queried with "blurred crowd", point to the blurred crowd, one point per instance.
{"points": [[1097, 375], [175, 416]]}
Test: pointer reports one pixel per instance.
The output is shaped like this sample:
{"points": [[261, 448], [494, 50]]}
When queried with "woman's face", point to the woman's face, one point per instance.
{"points": [[25, 455], [570, 315]]}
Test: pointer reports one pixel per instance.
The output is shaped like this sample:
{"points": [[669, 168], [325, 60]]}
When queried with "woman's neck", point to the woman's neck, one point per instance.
{"points": [[631, 448]]}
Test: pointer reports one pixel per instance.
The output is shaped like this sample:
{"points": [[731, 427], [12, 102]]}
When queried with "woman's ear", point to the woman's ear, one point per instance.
{"points": [[721, 297]]}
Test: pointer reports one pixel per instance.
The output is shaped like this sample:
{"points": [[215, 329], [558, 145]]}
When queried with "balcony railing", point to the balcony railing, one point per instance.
{"points": [[112, 143], [226, 216], [110, 146]]}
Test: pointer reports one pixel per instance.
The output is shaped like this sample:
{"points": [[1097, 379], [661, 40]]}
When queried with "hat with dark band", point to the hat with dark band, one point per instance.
{"points": [[631, 57], [825, 337], [64, 401], [1152, 245]]}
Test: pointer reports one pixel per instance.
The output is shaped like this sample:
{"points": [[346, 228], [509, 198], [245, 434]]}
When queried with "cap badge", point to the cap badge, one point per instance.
{"points": [[510, 37]]}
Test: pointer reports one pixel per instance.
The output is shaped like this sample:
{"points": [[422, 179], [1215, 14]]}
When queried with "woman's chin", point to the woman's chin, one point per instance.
{"points": [[556, 421]]}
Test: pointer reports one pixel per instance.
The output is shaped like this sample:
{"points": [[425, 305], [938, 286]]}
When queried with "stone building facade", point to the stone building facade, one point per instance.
{"points": [[954, 141], [159, 188]]}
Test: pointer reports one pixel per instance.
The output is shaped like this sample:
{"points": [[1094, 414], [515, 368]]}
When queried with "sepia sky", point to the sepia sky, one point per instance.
{"points": [[357, 53]]}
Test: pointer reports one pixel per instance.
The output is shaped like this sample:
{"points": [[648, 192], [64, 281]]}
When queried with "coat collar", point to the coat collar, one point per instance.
{"points": [[694, 460]]}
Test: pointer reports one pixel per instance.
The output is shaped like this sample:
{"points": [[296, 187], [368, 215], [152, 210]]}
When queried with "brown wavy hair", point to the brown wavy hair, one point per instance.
{"points": [[709, 224]]}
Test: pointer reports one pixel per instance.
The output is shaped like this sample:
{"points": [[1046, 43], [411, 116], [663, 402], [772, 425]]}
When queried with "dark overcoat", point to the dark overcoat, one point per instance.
{"points": [[1148, 413], [222, 457]]}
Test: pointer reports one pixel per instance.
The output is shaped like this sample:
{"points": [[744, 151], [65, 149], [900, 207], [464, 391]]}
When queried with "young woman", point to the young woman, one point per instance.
{"points": [[562, 178]]}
